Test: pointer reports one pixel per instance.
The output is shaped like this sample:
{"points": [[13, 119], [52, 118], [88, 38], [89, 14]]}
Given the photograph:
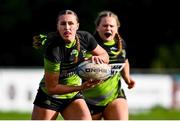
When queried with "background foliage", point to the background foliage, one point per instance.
{"points": [[150, 29]]}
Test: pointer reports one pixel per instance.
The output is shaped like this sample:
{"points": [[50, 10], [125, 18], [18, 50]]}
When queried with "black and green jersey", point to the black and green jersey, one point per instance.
{"points": [[112, 49], [59, 57], [109, 90]]}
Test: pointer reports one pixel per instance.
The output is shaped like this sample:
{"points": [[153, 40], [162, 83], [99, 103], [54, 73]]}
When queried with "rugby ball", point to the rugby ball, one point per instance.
{"points": [[88, 70]]}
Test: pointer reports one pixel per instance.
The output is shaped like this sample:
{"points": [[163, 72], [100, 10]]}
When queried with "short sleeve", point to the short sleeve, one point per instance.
{"points": [[125, 48], [51, 59], [92, 42], [87, 40]]}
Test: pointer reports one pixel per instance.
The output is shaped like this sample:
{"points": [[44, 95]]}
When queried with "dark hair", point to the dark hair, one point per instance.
{"points": [[105, 14], [65, 12]]}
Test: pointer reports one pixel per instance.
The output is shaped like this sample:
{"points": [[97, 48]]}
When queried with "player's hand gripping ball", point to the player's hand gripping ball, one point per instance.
{"points": [[88, 70]]}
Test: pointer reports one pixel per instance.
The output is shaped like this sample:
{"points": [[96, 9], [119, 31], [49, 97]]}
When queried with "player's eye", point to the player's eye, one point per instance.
{"points": [[63, 23], [111, 26], [105, 25], [70, 23]]}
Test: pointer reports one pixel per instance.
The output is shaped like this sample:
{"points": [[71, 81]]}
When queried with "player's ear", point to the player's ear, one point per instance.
{"points": [[97, 29], [77, 26], [57, 27]]}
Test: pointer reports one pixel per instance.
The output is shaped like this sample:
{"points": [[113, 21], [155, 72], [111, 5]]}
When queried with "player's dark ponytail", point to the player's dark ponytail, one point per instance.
{"points": [[78, 48], [118, 39]]}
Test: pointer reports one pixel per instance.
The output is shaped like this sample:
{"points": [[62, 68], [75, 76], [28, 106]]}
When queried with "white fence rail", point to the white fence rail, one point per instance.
{"points": [[18, 88]]}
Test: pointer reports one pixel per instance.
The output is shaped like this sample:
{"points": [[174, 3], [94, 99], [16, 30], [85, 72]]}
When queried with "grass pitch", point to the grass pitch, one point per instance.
{"points": [[156, 113]]}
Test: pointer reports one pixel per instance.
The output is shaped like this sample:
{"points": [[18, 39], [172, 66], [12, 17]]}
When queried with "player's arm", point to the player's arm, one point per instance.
{"points": [[126, 75], [52, 73], [99, 54], [53, 87]]}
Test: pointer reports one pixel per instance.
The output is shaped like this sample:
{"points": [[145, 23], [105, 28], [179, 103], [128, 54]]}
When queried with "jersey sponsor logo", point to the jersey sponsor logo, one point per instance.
{"points": [[117, 67], [74, 52], [113, 49], [84, 52], [96, 70], [68, 73]]}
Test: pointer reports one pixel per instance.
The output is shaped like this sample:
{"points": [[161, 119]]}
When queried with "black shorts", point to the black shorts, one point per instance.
{"points": [[94, 109], [45, 101]]}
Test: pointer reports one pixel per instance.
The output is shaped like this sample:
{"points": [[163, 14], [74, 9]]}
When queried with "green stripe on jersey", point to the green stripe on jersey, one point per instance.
{"points": [[105, 92], [73, 80], [109, 43], [51, 66], [71, 44]]}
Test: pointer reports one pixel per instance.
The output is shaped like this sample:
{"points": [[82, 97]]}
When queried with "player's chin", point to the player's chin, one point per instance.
{"points": [[67, 39], [108, 38]]}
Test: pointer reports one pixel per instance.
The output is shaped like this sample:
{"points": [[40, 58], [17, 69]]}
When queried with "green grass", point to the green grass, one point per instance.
{"points": [[14, 116], [17, 116], [156, 113]]}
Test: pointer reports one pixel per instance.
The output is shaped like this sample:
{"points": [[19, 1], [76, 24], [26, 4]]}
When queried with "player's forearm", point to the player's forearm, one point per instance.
{"points": [[63, 89], [126, 72], [101, 53], [53, 86]]}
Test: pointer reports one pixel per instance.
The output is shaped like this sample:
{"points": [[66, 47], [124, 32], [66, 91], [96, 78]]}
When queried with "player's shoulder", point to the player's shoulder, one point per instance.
{"points": [[124, 43], [84, 33], [53, 42], [52, 35]]}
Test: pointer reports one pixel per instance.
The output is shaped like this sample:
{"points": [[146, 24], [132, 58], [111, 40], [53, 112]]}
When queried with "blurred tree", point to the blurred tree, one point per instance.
{"points": [[167, 57], [144, 27], [13, 12]]}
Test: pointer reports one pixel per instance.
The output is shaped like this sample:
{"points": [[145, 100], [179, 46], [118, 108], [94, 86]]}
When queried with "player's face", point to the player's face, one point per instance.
{"points": [[107, 28], [67, 26]]}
